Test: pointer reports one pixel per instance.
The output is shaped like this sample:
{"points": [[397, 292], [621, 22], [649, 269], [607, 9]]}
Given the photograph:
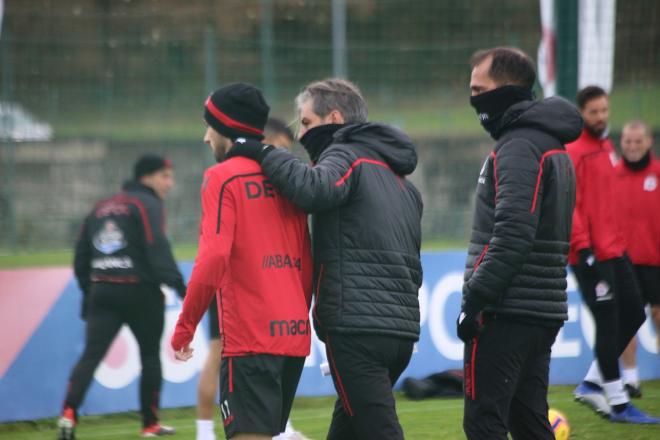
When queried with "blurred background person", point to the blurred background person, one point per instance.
{"points": [[638, 199], [598, 259], [121, 257]]}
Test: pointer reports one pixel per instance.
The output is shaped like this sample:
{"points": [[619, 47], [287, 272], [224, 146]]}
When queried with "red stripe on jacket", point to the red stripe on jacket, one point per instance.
{"points": [[355, 164]]}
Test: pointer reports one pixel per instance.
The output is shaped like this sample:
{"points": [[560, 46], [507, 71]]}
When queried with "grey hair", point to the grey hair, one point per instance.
{"points": [[335, 94]]}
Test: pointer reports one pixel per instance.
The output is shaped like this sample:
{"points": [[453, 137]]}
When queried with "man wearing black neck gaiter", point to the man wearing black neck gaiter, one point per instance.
{"points": [[366, 235], [637, 192], [514, 294]]}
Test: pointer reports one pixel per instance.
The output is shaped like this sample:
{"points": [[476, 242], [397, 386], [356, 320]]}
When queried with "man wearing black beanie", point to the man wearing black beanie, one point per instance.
{"points": [[254, 257], [122, 257]]}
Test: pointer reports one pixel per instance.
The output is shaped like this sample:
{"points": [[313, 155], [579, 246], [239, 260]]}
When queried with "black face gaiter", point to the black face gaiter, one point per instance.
{"points": [[490, 106], [640, 164], [318, 139]]}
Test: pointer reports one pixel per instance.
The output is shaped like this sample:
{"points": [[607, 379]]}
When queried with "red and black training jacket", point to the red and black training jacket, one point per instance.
{"points": [[638, 200], [597, 223], [254, 255], [122, 241]]}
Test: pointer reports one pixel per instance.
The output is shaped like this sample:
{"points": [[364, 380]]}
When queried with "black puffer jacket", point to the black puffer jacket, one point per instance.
{"points": [[517, 257], [366, 229]]}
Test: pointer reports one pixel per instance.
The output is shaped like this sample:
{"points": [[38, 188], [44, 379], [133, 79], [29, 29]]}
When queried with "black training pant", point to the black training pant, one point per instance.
{"points": [[617, 316], [364, 369], [111, 305], [506, 381]]}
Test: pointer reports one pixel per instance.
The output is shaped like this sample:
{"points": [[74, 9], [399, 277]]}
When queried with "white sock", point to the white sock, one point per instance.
{"points": [[615, 393], [593, 375], [205, 430], [630, 376]]}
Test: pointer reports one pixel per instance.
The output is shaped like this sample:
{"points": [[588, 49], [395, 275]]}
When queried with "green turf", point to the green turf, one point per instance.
{"points": [[64, 257], [422, 420]]}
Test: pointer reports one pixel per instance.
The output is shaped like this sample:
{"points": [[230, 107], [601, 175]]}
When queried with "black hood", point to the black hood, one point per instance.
{"points": [[135, 186], [392, 144], [555, 116]]}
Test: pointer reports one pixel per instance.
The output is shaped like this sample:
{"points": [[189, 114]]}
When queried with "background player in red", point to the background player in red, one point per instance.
{"points": [[254, 257], [598, 260], [638, 198]]}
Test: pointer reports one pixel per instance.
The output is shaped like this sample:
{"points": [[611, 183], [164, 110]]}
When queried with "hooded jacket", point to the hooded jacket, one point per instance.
{"points": [[366, 229], [516, 264], [122, 241]]}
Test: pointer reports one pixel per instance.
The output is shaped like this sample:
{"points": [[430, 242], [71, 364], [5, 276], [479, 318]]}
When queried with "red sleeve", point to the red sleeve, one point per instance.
{"points": [[579, 232], [210, 272], [599, 208]]}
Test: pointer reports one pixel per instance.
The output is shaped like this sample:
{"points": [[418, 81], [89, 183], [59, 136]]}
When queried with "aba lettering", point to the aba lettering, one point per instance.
{"points": [[280, 262]]}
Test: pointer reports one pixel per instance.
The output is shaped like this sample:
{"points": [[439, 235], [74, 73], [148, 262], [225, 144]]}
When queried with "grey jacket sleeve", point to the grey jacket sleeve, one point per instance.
{"points": [[321, 187]]}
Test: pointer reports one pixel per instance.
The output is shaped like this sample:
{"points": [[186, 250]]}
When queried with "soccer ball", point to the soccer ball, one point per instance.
{"points": [[559, 424]]}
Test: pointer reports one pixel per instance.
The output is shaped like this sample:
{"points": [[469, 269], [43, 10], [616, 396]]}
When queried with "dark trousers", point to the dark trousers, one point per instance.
{"points": [[364, 369], [111, 305], [506, 381], [617, 317]]}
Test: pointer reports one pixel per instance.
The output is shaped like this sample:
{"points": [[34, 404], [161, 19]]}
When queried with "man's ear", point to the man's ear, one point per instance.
{"points": [[336, 117]]}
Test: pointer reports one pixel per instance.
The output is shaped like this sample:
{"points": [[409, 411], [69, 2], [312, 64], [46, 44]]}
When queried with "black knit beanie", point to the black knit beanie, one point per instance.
{"points": [[237, 110], [149, 164]]}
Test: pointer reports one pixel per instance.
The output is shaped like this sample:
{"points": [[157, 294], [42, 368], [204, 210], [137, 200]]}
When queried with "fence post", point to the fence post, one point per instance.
{"points": [[339, 38], [267, 35], [566, 19]]}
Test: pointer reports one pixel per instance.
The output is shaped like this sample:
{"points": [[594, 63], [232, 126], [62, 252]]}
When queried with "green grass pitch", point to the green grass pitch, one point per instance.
{"points": [[421, 420]]}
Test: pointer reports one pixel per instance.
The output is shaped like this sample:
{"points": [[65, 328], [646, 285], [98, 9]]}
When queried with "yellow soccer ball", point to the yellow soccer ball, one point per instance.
{"points": [[559, 424]]}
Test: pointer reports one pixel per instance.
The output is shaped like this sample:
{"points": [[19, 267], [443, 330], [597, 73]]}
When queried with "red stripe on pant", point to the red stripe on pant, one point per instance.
{"points": [[342, 392], [231, 375], [473, 358]]}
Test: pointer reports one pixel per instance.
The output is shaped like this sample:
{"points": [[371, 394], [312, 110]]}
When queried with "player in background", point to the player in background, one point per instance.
{"points": [[121, 257], [598, 259], [254, 257], [638, 199]]}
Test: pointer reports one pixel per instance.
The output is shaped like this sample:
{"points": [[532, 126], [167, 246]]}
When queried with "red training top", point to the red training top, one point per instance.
{"points": [[596, 224], [254, 253], [638, 200]]}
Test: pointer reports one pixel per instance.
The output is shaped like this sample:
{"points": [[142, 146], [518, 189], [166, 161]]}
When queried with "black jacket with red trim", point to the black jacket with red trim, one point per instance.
{"points": [[123, 241], [516, 264], [366, 229]]}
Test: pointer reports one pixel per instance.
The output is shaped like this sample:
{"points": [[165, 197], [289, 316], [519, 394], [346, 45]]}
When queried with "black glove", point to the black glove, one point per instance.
{"points": [[586, 257], [250, 148], [468, 324]]}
